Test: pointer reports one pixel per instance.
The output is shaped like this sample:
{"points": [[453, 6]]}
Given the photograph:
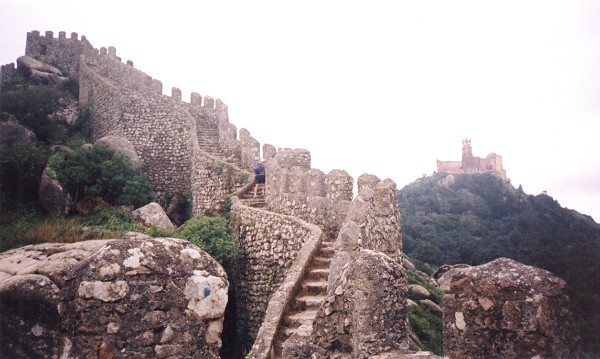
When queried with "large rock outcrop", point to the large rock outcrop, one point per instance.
{"points": [[121, 145], [152, 214], [505, 309], [40, 72], [52, 197], [138, 297], [12, 133]]}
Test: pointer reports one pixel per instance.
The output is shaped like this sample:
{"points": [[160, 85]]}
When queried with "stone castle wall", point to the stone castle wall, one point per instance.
{"points": [[123, 101], [7, 72], [61, 52]]}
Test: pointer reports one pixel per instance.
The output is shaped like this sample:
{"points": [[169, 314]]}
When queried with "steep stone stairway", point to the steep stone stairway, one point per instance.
{"points": [[248, 198], [311, 294], [208, 141], [313, 289], [208, 138]]}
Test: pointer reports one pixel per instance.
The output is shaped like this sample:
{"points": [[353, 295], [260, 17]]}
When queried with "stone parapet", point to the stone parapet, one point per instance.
{"points": [[505, 309], [295, 189], [365, 311], [7, 73]]}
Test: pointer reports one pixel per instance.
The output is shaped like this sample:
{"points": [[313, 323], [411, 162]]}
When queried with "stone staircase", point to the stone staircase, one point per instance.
{"points": [[311, 294], [208, 141], [313, 289], [259, 201], [208, 138]]}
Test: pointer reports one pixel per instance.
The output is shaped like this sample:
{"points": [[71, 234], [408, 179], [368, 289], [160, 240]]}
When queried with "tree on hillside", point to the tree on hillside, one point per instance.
{"points": [[475, 218], [99, 171]]}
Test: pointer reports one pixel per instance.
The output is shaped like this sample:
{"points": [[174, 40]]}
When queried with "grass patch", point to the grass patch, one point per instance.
{"points": [[428, 328], [22, 228], [424, 324]]}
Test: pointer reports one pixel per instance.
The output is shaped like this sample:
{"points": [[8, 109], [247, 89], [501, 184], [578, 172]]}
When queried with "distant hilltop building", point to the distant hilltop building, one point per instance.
{"points": [[472, 164]]}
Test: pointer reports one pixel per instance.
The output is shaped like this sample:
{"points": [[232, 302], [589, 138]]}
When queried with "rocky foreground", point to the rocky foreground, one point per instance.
{"points": [[135, 297]]}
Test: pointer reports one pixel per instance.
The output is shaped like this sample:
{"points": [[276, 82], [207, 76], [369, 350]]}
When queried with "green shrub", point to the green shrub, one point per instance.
{"points": [[32, 105], [13, 225], [21, 167], [99, 171], [213, 235], [163, 232], [71, 86]]}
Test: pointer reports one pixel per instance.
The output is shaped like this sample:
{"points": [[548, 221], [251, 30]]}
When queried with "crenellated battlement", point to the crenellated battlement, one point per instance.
{"points": [[64, 52]]}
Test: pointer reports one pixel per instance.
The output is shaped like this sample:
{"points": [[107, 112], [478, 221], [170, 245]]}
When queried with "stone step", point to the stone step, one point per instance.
{"points": [[250, 195], [254, 200], [313, 292], [308, 302], [317, 273], [297, 319], [314, 287], [321, 262], [328, 243], [326, 251]]}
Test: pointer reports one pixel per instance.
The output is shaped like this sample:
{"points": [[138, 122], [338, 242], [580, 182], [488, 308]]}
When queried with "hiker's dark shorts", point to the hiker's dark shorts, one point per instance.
{"points": [[259, 179]]}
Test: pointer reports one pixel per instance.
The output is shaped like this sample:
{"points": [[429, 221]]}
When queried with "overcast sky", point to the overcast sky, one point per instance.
{"points": [[381, 87]]}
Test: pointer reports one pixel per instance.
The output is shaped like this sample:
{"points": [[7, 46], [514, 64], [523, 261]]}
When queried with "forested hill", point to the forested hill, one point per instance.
{"points": [[475, 218]]}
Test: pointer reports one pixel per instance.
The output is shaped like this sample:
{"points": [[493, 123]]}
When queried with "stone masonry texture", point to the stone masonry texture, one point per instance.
{"points": [[505, 309], [136, 297]]}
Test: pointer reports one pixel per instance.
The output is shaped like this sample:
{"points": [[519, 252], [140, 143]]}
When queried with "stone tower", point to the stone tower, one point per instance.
{"points": [[468, 161]]}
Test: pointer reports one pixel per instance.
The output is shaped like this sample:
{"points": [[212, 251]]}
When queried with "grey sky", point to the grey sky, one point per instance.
{"points": [[383, 87]]}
